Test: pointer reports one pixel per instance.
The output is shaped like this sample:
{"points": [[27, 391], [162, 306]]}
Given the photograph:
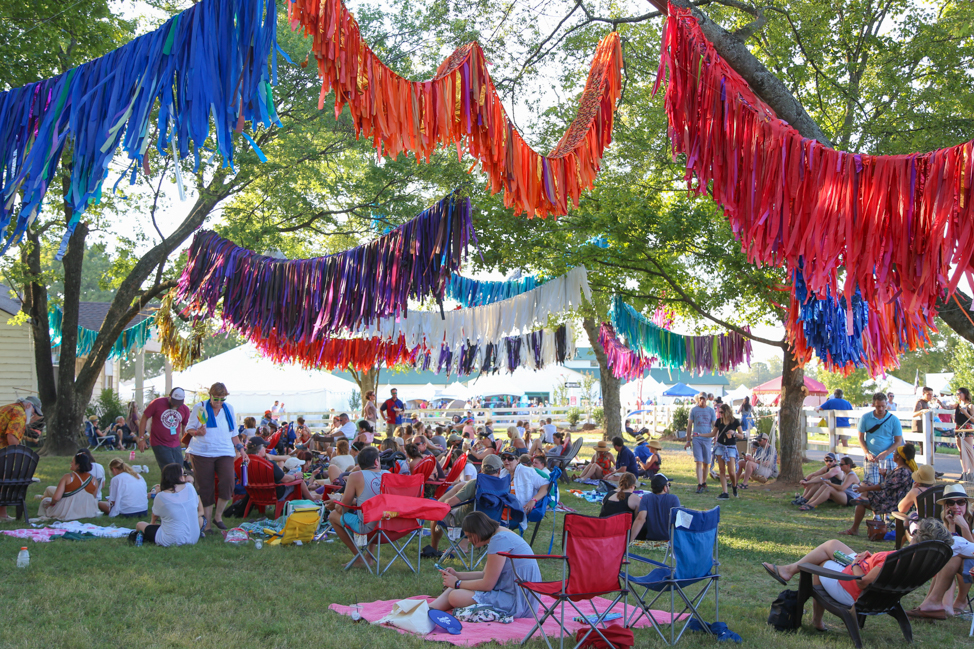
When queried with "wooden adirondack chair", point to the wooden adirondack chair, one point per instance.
{"points": [[262, 489], [17, 466], [927, 507]]}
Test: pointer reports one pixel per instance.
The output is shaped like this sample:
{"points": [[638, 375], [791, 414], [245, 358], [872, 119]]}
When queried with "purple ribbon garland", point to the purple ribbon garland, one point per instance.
{"points": [[308, 299]]}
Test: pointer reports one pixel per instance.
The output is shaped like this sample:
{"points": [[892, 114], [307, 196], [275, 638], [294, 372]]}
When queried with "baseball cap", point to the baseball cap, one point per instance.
{"points": [[454, 438], [765, 436], [293, 463], [659, 483], [492, 462], [35, 404], [256, 441], [178, 394], [830, 456]]}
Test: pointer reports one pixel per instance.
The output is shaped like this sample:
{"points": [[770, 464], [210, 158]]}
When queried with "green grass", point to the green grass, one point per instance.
{"points": [[90, 593]]}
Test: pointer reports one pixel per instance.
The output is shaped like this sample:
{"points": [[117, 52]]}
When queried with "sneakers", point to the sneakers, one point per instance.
{"points": [[798, 501], [700, 488], [735, 491], [724, 496]]}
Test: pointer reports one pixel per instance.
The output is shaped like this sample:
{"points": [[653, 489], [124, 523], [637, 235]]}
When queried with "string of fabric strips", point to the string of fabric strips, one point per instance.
{"points": [[845, 339], [181, 352], [695, 354], [472, 292], [623, 362], [460, 106], [900, 223], [309, 299], [134, 337], [210, 61]]}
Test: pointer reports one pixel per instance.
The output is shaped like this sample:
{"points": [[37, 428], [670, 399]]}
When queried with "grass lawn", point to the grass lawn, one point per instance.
{"points": [[89, 593]]}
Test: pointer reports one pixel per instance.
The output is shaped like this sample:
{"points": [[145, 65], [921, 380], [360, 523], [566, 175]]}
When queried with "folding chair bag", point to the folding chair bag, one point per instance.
{"points": [[303, 519]]}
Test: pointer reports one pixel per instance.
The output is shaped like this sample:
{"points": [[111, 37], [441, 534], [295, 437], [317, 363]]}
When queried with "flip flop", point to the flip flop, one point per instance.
{"points": [[772, 570], [927, 615]]}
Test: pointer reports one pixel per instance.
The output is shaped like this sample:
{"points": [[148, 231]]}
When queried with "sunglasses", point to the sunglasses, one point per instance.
{"points": [[828, 461], [218, 398], [955, 503]]}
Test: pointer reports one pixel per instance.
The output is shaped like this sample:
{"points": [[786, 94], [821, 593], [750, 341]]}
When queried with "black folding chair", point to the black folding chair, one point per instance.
{"points": [[17, 466]]}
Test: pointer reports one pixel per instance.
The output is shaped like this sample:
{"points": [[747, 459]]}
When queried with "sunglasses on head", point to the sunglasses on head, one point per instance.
{"points": [[955, 503]]}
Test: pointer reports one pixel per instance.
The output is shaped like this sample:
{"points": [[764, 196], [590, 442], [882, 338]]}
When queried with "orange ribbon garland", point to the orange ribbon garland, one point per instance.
{"points": [[460, 107]]}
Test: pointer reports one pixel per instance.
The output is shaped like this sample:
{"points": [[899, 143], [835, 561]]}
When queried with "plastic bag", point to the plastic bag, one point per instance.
{"points": [[237, 535], [410, 615]]}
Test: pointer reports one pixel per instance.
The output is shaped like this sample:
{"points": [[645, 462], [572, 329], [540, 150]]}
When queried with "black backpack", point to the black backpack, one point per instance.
{"points": [[784, 611], [388, 459]]}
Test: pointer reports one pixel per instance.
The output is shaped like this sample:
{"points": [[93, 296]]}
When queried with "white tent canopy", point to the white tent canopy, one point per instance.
{"points": [[902, 391], [255, 382], [641, 390], [738, 394]]}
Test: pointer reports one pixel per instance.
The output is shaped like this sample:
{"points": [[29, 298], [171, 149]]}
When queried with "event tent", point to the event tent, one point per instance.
{"points": [[255, 382], [522, 381], [737, 394], [769, 393], [680, 390]]}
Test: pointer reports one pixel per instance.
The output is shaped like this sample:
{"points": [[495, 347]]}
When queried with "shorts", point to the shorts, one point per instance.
{"points": [[833, 587], [390, 430], [726, 452], [701, 449], [148, 535], [168, 455], [965, 572], [870, 470], [353, 521]]}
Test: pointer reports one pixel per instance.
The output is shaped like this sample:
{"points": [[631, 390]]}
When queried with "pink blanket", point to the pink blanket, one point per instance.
{"points": [[42, 535], [479, 633]]}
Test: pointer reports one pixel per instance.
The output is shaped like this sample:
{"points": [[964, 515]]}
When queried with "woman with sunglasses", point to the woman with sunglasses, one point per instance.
{"points": [[843, 493], [885, 497], [813, 483], [211, 426], [958, 518]]}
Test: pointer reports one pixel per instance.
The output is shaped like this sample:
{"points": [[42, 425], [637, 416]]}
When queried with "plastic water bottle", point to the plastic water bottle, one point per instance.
{"points": [[23, 558], [131, 456], [258, 544], [843, 558], [138, 540]]}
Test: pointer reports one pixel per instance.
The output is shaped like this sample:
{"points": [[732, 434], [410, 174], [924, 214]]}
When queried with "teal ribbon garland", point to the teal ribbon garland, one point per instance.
{"points": [[471, 292], [134, 337]]}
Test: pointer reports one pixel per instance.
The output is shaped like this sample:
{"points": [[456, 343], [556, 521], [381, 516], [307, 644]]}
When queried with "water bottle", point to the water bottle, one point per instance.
{"points": [[258, 544], [843, 558], [23, 558], [138, 540], [131, 456]]}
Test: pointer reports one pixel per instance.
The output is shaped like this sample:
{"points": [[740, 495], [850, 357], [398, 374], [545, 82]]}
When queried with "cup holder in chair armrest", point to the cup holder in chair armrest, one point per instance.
{"points": [[900, 516], [813, 569], [35, 479]]}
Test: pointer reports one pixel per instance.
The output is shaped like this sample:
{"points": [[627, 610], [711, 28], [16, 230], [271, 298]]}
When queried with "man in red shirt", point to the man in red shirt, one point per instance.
{"points": [[168, 416], [392, 409]]}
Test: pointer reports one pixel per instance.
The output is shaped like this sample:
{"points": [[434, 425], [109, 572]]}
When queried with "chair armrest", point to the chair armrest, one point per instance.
{"points": [[465, 502], [531, 556], [629, 555], [900, 516], [811, 568]]}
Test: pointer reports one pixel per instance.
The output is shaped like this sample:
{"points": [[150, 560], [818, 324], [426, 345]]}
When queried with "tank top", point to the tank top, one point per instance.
{"points": [[373, 482], [612, 507]]}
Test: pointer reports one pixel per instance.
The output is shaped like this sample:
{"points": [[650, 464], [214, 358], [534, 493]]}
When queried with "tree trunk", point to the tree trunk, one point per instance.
{"points": [[611, 404], [35, 306], [366, 381], [790, 446]]}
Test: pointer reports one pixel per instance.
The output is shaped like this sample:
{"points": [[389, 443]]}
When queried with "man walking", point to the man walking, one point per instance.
{"points": [[880, 433], [700, 433], [166, 418], [392, 409]]}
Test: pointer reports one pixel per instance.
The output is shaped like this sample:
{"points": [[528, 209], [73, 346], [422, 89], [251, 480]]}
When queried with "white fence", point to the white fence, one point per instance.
{"points": [[502, 417]]}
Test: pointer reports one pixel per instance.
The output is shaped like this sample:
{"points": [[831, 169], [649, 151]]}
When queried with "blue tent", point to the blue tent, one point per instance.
{"points": [[680, 390]]}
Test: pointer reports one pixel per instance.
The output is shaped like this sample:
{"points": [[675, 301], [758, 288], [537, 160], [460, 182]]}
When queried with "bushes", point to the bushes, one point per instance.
{"points": [[574, 415], [107, 407], [681, 417], [598, 415]]}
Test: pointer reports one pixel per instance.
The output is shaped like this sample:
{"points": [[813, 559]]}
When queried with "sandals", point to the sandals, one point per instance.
{"points": [[806, 508], [927, 615], [772, 570]]}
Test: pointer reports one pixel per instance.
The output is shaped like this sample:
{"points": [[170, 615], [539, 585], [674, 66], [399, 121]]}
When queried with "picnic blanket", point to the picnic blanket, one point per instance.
{"points": [[474, 634], [74, 529]]}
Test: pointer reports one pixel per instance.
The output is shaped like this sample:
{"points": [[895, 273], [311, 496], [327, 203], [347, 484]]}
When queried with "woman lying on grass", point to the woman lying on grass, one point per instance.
{"points": [[866, 567], [494, 586]]}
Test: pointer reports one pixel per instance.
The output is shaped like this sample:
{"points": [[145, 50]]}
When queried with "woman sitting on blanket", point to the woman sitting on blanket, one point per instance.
{"points": [[177, 513], [602, 463], [866, 567], [494, 587], [74, 495]]}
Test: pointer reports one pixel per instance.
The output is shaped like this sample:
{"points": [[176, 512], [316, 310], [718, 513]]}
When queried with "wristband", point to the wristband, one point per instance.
{"points": [[456, 586]]}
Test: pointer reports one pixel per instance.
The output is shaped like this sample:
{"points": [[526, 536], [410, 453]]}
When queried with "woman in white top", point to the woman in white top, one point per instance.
{"points": [[177, 514], [212, 426], [341, 463], [127, 495]]}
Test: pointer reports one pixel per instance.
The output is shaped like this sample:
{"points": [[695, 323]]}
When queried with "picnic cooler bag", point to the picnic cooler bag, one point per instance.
{"points": [[303, 519]]}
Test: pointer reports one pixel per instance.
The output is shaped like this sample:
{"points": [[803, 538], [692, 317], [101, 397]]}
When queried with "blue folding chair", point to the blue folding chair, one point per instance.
{"points": [[691, 558], [493, 498], [540, 510]]}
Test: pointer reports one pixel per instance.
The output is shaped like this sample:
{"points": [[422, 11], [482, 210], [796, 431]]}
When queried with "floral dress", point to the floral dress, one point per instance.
{"points": [[894, 488], [604, 460]]}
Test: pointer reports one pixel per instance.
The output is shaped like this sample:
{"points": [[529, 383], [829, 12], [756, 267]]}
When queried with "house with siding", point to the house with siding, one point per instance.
{"points": [[18, 374]]}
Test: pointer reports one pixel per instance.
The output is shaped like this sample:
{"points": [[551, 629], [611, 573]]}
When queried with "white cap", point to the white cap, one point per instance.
{"points": [[178, 394], [293, 463]]}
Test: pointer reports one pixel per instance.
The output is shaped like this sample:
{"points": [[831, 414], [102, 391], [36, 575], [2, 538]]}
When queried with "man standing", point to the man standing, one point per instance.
{"points": [[275, 412], [880, 433], [549, 432], [925, 403], [392, 409], [838, 403], [652, 522], [700, 432], [168, 417], [762, 465], [14, 419]]}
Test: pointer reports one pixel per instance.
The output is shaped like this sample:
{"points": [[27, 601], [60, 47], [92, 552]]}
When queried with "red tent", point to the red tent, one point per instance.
{"points": [[770, 392]]}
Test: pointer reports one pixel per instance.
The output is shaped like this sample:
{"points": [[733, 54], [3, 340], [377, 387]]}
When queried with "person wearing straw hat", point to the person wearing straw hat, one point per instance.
{"points": [[958, 519], [601, 464], [924, 478], [652, 463]]}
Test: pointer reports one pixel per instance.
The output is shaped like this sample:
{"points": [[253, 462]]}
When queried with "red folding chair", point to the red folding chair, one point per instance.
{"points": [[425, 468], [262, 489], [455, 472], [592, 566], [397, 532]]}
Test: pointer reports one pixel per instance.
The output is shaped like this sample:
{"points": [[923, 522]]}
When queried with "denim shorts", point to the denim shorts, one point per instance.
{"points": [[727, 452]]}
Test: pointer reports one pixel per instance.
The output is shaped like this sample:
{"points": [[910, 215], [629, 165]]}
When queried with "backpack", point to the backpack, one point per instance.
{"points": [[785, 614], [388, 459], [303, 518]]}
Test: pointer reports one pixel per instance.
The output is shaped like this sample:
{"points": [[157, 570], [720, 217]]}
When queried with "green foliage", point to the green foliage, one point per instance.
{"points": [[355, 401], [963, 367], [107, 407], [681, 417], [598, 416], [574, 415], [759, 372], [851, 385]]}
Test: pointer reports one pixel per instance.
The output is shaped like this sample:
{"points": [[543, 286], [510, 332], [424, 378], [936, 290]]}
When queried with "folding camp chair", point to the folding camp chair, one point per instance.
{"points": [[691, 558], [562, 461], [494, 498], [455, 472], [540, 510], [17, 466], [262, 490], [397, 532], [592, 565]]}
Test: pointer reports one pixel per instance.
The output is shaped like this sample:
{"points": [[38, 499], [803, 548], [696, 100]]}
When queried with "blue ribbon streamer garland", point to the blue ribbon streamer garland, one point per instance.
{"points": [[134, 337], [215, 60], [825, 325], [471, 292]]}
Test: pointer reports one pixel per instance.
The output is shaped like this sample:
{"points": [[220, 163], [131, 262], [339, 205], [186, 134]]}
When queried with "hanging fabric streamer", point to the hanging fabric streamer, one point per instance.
{"points": [[213, 61], [897, 224], [134, 337], [181, 352], [879, 335], [623, 362], [695, 354], [308, 299], [472, 292], [460, 107]]}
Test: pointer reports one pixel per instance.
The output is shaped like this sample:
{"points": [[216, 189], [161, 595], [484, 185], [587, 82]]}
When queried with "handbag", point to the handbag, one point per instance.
{"points": [[410, 615], [876, 530]]}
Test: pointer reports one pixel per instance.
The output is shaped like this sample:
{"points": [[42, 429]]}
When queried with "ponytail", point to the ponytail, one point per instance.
{"points": [[120, 465]]}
